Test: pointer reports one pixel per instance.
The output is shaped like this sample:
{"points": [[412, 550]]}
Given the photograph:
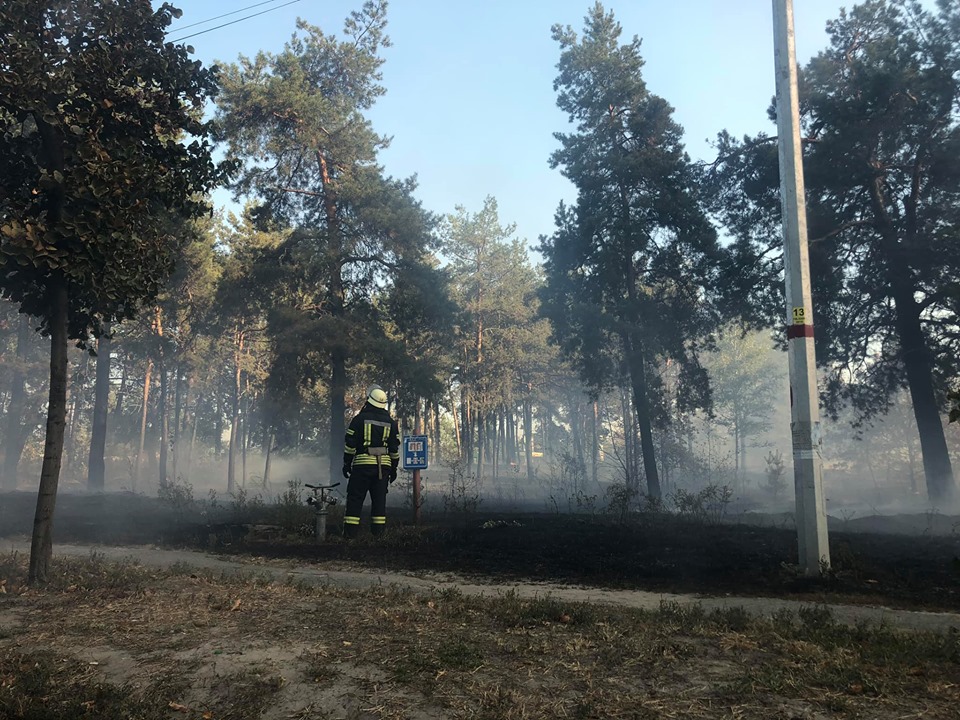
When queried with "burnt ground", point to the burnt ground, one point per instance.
{"points": [[655, 552]]}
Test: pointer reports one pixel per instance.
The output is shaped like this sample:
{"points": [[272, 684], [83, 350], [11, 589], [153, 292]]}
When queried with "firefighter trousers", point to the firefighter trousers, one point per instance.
{"points": [[363, 480]]}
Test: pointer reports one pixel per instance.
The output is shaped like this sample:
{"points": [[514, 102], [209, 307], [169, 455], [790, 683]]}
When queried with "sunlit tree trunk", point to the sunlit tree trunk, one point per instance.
{"points": [[455, 414], [162, 405], [147, 377], [121, 391], [96, 467], [528, 437], [177, 410], [75, 395], [235, 422]]}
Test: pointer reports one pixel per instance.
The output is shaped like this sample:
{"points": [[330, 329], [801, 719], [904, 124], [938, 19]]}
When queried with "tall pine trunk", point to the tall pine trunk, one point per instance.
{"points": [[454, 412], [121, 391], [933, 445], [641, 403], [266, 464], [96, 467], [147, 377], [337, 296], [528, 437], [595, 454], [235, 422], [913, 346], [479, 424], [76, 396], [41, 546], [177, 411], [163, 424]]}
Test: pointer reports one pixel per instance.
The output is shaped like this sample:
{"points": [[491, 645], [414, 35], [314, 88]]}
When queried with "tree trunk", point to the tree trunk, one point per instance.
{"points": [[736, 445], [595, 454], [631, 480], [437, 435], [121, 391], [41, 546], [641, 402], [218, 421], [164, 424], [456, 424], [12, 448], [77, 395], [466, 430], [147, 377], [496, 428], [193, 435], [933, 444], [235, 422], [479, 424], [338, 409], [96, 467], [177, 410], [244, 433], [528, 438], [576, 427], [743, 458], [266, 464], [913, 347]]}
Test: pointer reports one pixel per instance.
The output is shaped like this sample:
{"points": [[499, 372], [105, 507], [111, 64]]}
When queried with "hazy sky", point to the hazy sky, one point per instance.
{"points": [[470, 101]]}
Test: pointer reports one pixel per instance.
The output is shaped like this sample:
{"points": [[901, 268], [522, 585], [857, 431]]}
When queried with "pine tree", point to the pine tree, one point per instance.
{"points": [[296, 123], [883, 203], [627, 265]]}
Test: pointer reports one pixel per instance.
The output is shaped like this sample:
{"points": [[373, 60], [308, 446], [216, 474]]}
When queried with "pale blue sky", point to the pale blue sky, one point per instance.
{"points": [[470, 101]]}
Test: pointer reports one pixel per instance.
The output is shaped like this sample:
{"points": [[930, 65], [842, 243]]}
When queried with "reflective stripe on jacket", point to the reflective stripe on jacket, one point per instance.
{"points": [[372, 428]]}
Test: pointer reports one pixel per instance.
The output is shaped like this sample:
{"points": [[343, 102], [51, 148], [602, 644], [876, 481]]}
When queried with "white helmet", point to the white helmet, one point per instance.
{"points": [[377, 397]]}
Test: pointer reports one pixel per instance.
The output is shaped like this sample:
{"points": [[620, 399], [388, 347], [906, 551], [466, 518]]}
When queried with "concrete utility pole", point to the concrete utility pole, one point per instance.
{"points": [[811, 517]]}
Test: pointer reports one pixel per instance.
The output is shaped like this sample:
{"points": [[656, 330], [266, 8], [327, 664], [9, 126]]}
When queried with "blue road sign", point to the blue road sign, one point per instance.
{"points": [[415, 452]]}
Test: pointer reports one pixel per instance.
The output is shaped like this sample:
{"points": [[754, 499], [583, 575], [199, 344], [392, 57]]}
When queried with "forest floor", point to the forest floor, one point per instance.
{"points": [[482, 616]]}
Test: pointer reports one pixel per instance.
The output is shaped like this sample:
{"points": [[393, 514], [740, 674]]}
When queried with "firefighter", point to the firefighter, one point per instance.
{"points": [[371, 455]]}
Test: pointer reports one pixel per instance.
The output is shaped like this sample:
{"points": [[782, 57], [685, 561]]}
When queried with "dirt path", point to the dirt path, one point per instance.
{"points": [[363, 578]]}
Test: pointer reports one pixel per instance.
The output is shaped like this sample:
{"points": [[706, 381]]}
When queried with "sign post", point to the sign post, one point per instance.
{"points": [[415, 458]]}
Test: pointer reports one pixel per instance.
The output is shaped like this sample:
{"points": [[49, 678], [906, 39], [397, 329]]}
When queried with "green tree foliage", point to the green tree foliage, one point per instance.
{"points": [[883, 202], [626, 267], [498, 329], [94, 105], [296, 122], [747, 384], [416, 353]]}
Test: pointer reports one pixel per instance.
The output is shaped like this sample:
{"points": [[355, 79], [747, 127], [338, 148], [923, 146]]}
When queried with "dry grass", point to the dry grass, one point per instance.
{"points": [[110, 641]]}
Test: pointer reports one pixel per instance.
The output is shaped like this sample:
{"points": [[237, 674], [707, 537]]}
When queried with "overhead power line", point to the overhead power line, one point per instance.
{"points": [[234, 22], [217, 17]]}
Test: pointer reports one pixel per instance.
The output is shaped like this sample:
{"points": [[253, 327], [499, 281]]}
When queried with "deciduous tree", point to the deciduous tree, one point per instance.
{"points": [[100, 140]]}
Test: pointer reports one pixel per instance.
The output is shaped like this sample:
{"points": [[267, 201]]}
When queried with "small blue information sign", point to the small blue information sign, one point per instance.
{"points": [[415, 452]]}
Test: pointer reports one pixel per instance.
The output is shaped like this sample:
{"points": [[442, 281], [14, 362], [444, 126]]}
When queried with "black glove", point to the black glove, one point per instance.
{"points": [[393, 474], [346, 471]]}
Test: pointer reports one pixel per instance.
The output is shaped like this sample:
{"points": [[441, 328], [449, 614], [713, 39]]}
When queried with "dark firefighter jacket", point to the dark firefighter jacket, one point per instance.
{"points": [[372, 428]]}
